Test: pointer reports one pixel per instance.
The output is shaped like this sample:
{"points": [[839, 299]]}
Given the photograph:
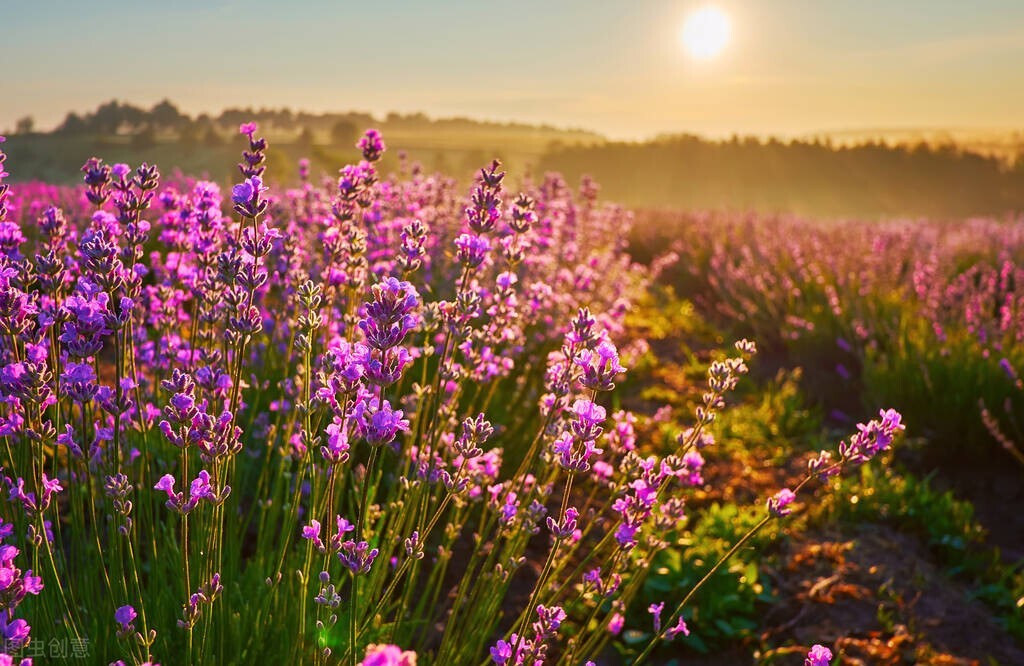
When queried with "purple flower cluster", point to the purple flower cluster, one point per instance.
{"points": [[266, 362], [15, 585], [872, 438], [532, 650], [599, 366], [819, 655], [574, 448]]}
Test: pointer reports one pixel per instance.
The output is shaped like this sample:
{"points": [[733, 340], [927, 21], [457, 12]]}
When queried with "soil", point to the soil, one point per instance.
{"points": [[884, 599]]}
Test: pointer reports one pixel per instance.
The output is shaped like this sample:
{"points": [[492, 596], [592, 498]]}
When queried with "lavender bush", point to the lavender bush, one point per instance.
{"points": [[337, 424], [927, 316]]}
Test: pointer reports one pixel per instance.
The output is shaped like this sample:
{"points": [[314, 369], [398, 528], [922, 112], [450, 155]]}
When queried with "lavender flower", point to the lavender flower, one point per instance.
{"points": [[371, 145], [778, 504], [379, 426], [819, 655], [252, 164], [655, 611], [501, 652], [599, 366], [471, 250], [388, 655], [358, 557], [247, 197], [15, 632], [97, 180], [486, 208], [678, 628], [125, 617], [574, 454], [567, 527], [872, 438]]}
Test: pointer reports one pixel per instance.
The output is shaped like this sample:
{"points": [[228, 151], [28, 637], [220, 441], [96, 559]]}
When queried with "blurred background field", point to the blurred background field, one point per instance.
{"points": [[940, 174]]}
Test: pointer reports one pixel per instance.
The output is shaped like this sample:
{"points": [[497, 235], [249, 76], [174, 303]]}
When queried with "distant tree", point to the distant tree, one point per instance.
{"points": [[144, 138], [133, 118], [25, 125], [212, 137], [188, 135], [305, 138], [166, 115], [114, 118], [107, 118], [235, 117], [73, 124], [344, 134]]}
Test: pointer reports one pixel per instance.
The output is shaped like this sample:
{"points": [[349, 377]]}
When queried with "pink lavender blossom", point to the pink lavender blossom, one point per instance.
{"points": [[388, 655], [599, 366], [819, 655], [678, 628], [471, 250], [655, 611], [247, 197], [371, 145], [778, 504]]}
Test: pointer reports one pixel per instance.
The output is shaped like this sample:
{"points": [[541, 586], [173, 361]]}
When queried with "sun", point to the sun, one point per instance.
{"points": [[706, 33]]}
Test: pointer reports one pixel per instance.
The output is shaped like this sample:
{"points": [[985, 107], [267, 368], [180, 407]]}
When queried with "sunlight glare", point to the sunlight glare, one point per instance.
{"points": [[706, 32]]}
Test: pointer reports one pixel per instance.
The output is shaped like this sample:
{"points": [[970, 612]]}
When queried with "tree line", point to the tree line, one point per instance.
{"points": [[810, 177]]}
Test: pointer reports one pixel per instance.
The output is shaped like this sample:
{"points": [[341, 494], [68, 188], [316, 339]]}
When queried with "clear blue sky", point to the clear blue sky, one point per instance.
{"points": [[617, 67]]}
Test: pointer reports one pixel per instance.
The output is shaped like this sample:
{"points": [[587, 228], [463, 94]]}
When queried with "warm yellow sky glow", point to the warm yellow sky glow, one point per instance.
{"points": [[706, 32], [629, 70]]}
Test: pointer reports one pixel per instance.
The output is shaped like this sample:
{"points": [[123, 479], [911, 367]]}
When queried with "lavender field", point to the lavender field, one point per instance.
{"points": [[382, 417]]}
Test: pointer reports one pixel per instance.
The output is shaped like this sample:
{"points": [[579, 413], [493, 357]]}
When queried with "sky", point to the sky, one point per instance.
{"points": [[617, 67]]}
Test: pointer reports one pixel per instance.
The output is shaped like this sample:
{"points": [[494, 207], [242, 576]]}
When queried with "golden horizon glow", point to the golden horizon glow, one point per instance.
{"points": [[790, 68], [706, 32]]}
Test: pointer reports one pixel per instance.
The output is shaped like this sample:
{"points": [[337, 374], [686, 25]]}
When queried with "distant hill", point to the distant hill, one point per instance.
{"points": [[838, 174], [120, 132]]}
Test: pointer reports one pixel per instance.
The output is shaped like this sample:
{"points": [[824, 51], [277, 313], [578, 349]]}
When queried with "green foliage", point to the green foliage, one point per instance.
{"points": [[912, 504], [776, 420], [938, 387], [673, 371], [728, 605], [1003, 590]]}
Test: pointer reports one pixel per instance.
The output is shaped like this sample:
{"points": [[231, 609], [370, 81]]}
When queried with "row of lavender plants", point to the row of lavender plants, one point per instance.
{"points": [[355, 421], [925, 315]]}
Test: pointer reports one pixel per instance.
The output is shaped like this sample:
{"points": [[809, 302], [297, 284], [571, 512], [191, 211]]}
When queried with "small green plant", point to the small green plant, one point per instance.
{"points": [[727, 607], [910, 503], [777, 420]]}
